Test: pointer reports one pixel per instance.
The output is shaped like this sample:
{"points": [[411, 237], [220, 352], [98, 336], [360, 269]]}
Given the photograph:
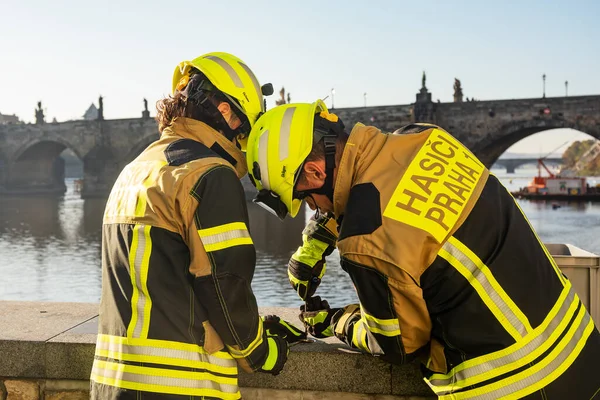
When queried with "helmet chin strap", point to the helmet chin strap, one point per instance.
{"points": [[329, 130], [327, 188]]}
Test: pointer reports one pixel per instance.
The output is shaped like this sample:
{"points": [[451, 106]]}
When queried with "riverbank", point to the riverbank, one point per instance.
{"points": [[47, 350]]}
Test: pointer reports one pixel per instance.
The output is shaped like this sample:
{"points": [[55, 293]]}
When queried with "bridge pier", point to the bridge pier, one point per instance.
{"points": [[100, 171], [41, 176]]}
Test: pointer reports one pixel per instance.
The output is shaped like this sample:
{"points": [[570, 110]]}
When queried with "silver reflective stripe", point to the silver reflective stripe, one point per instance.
{"points": [[117, 351], [518, 354], [357, 337], [285, 132], [506, 310], [221, 237], [263, 161], [255, 83], [137, 267], [383, 329], [232, 74], [373, 344], [124, 373], [551, 369]]}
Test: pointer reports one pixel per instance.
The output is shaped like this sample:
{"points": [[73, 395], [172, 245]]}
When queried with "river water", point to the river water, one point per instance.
{"points": [[50, 247]]}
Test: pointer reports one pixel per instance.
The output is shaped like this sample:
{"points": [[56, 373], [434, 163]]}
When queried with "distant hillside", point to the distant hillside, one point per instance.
{"points": [[575, 151]]}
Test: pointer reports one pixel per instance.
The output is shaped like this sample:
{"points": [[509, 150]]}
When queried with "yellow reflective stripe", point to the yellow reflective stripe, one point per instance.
{"points": [[520, 354], [220, 362], [543, 372], [363, 338], [164, 372], [558, 317], [132, 273], [178, 362], [237, 353], [120, 383], [493, 282], [479, 277], [271, 355], [550, 258], [564, 365], [295, 280], [318, 318], [144, 268], [160, 344], [221, 229], [356, 330], [224, 236], [160, 380], [139, 260], [386, 327], [142, 196], [311, 252]]}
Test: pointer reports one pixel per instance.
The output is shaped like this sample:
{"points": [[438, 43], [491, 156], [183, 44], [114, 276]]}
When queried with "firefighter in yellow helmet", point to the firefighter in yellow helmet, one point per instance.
{"points": [[177, 312], [445, 264]]}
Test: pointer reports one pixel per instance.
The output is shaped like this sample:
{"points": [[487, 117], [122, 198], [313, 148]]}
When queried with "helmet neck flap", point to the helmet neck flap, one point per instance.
{"points": [[197, 92]]}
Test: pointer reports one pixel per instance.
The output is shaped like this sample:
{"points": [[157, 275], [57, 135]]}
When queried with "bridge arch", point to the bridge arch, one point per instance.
{"points": [[37, 167], [493, 145], [511, 164]]}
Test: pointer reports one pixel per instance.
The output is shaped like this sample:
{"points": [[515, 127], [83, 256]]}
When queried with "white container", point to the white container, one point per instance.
{"points": [[565, 185], [583, 270]]}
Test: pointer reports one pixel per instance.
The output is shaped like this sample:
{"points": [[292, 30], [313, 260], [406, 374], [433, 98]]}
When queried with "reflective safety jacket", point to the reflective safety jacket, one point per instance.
{"points": [[177, 313], [446, 264]]}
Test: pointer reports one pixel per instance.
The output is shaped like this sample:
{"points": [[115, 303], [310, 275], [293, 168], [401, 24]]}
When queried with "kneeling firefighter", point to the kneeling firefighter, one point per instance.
{"points": [[177, 313], [445, 264]]}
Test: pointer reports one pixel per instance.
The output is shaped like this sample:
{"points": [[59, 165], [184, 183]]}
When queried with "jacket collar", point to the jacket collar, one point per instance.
{"points": [[188, 128], [363, 146]]}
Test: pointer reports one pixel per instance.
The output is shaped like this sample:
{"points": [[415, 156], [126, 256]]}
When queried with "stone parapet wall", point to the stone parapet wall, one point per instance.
{"points": [[47, 350]]}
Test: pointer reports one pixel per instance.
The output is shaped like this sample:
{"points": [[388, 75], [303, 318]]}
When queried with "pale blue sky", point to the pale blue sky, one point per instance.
{"points": [[66, 53]]}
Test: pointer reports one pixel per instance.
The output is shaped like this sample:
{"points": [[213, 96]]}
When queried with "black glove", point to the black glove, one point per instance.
{"points": [[277, 353], [322, 227], [316, 315], [274, 325]]}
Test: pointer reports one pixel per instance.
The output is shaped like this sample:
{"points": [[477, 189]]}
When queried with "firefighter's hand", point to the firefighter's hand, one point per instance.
{"points": [[322, 227], [277, 354], [274, 325], [316, 316], [305, 279]]}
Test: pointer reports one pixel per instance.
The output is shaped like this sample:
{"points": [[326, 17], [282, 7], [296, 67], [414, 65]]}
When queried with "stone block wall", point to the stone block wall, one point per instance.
{"points": [[29, 389], [15, 389]]}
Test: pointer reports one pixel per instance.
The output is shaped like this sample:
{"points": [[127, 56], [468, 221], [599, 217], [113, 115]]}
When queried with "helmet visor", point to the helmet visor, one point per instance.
{"points": [[271, 202]]}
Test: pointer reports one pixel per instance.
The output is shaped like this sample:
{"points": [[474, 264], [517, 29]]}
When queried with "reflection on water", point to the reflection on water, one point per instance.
{"points": [[50, 248]]}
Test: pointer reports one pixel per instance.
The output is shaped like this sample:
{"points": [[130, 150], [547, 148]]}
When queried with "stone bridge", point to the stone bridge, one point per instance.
{"points": [[488, 128], [30, 162], [511, 164]]}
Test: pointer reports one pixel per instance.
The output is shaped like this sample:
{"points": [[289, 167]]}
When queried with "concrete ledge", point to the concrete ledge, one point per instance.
{"points": [[57, 341]]}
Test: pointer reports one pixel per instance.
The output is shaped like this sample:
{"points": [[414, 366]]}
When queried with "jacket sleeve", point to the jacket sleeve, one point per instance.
{"points": [[391, 319], [222, 262]]}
